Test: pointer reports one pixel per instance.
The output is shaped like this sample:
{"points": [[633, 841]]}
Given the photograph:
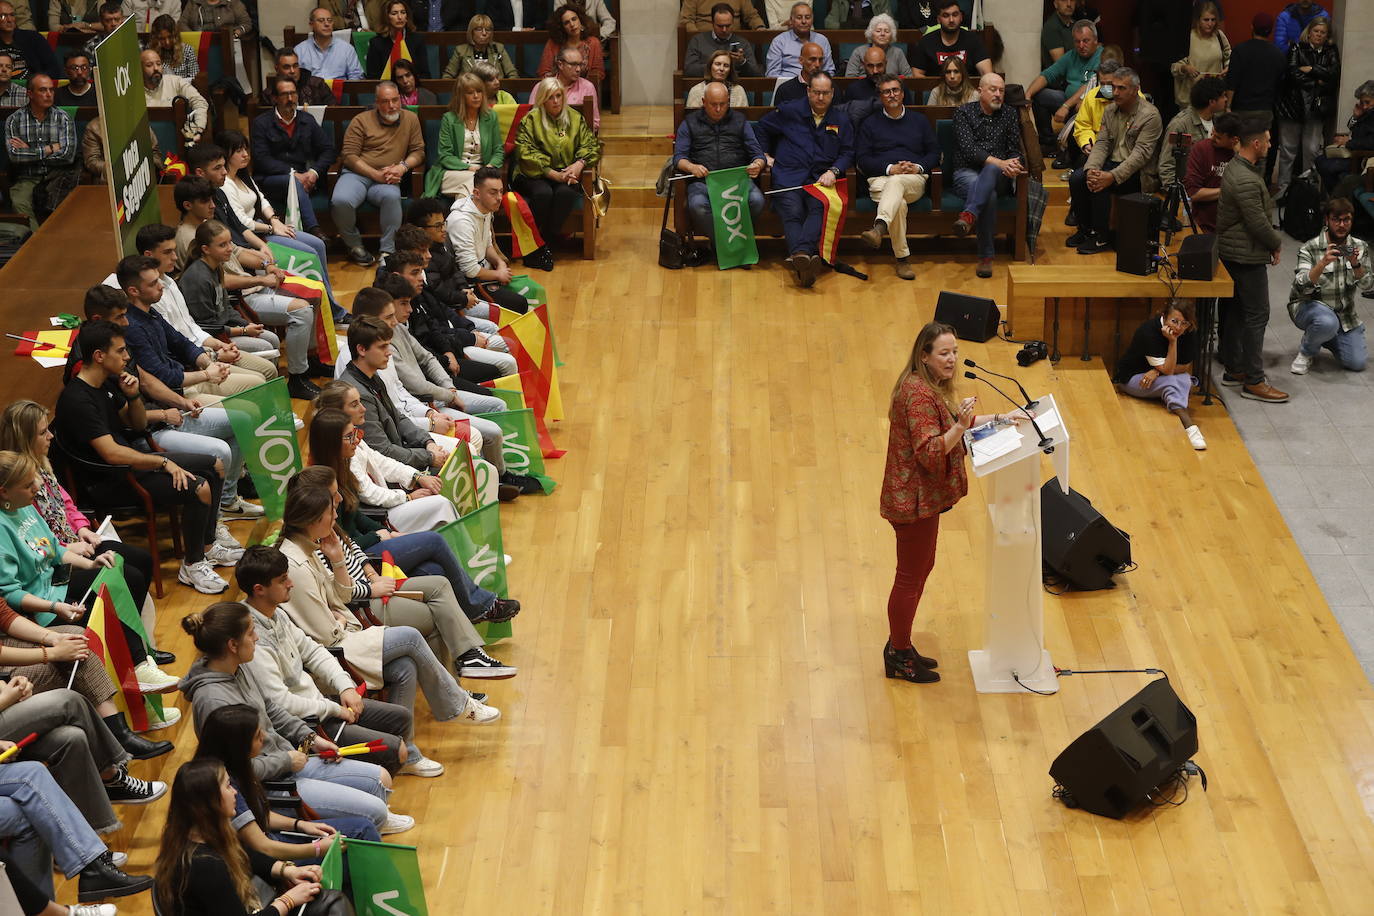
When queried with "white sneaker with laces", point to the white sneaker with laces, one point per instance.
{"points": [[422, 766], [1195, 437], [202, 577], [219, 555], [170, 716], [224, 538], [92, 909], [152, 680], [1301, 364], [241, 508], [396, 823], [476, 713], [120, 859]]}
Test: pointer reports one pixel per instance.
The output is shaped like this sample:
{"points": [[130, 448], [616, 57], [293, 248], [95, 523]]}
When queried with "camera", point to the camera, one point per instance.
{"points": [[1032, 352]]}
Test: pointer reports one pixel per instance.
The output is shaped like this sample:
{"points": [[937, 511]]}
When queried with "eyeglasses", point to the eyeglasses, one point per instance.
{"points": [[895, 90], [1178, 322], [353, 435], [1346, 218]]}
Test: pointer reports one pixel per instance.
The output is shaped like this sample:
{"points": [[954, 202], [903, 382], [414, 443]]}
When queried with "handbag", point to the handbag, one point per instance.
{"points": [[674, 252]]}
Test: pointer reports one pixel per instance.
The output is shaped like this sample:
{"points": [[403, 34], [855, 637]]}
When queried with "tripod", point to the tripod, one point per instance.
{"points": [[1177, 194]]}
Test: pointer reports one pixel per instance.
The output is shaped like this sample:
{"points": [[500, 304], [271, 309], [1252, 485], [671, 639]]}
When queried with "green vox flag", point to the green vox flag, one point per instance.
{"points": [[476, 541], [112, 577], [295, 261], [331, 866], [130, 169], [521, 446], [729, 190], [459, 482], [514, 399], [386, 879], [266, 432]]}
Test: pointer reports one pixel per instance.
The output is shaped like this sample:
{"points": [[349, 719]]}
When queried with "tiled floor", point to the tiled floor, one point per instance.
{"points": [[1316, 453]]}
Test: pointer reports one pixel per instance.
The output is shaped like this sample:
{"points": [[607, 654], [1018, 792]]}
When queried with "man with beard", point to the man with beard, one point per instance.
{"points": [[27, 49], [380, 148], [79, 91], [951, 40], [812, 62], [310, 89], [875, 70], [289, 147], [1331, 267], [987, 159], [159, 90]]}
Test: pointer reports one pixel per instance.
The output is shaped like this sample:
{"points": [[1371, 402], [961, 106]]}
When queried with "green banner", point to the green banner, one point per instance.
{"points": [[520, 447], [295, 261], [266, 432], [130, 167], [386, 879], [459, 481], [729, 190], [514, 399], [476, 541], [331, 866], [534, 293], [112, 577]]}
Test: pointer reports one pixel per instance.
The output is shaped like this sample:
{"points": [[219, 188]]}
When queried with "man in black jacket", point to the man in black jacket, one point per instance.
{"points": [[287, 146], [714, 137]]}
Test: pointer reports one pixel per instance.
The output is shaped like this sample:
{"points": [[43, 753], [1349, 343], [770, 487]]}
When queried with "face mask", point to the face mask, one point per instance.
{"points": [[1106, 90]]}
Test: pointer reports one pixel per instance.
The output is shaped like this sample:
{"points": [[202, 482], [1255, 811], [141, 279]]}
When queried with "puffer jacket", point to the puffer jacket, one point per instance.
{"points": [[1245, 233], [200, 16], [1310, 95]]}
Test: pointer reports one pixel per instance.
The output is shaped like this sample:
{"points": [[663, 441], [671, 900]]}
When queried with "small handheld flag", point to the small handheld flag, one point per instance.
{"points": [[19, 745]]}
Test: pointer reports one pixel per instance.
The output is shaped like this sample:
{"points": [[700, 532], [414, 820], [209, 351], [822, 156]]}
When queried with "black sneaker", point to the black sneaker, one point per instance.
{"points": [[102, 878], [526, 483], [130, 790], [479, 697], [1078, 238], [1095, 244], [478, 664], [300, 387], [163, 658], [503, 609]]}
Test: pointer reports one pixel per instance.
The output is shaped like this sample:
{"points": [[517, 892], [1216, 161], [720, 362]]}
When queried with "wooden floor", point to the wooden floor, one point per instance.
{"points": [[701, 723]]}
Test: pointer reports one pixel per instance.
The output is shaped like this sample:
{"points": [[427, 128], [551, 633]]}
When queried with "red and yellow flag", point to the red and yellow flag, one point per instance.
{"points": [[172, 165], [312, 291], [524, 234], [391, 571], [200, 43], [336, 86], [56, 342], [530, 340], [399, 51], [105, 637], [834, 202], [508, 118]]}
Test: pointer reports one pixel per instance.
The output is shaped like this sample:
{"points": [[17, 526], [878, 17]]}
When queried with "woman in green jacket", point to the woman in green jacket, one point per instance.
{"points": [[469, 138], [480, 47], [553, 146]]}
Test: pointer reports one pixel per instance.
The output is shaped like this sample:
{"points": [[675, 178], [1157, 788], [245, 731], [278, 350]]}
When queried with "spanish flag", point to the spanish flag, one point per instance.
{"points": [[530, 340], [524, 234], [200, 43], [834, 202], [312, 291], [336, 86], [56, 343], [508, 118], [526, 384], [173, 166], [399, 51], [391, 571], [105, 637]]}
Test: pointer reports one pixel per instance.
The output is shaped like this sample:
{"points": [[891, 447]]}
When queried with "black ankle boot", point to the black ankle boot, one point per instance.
{"points": [[301, 388], [138, 747], [102, 878], [922, 659], [901, 666]]}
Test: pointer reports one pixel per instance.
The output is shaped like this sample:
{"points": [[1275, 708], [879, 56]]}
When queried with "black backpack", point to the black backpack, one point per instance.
{"points": [[1302, 209]]}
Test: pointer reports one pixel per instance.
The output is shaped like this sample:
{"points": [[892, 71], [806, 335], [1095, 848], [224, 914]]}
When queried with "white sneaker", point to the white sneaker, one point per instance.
{"points": [[1301, 364], [241, 508], [170, 716], [152, 680], [1195, 437], [507, 557], [219, 555], [202, 577], [93, 909], [225, 539], [300, 424], [476, 713], [120, 859], [422, 766], [397, 823]]}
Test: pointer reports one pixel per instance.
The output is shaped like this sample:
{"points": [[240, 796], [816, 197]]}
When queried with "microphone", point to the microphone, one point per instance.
{"points": [[1045, 443], [1030, 405]]}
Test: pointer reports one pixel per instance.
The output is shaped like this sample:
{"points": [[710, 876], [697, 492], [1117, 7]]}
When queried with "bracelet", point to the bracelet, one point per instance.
{"points": [[45, 654], [296, 826]]}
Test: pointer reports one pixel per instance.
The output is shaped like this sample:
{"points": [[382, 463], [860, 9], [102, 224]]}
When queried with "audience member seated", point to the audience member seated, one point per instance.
{"points": [[1206, 164], [1209, 52], [950, 40], [808, 141], [469, 139], [875, 68], [1056, 35], [380, 149], [713, 138], [80, 90], [881, 33], [1331, 268], [1122, 161], [215, 16], [1308, 98], [568, 70], [506, 16], [784, 51], [144, 12], [310, 89], [599, 15], [354, 14], [1056, 93], [289, 148], [396, 40], [1194, 122], [491, 82], [1257, 70], [111, 18], [330, 570], [30, 52], [1088, 119], [1338, 177], [813, 61], [177, 57], [987, 161], [700, 15], [93, 149], [472, 239], [202, 868], [553, 145], [12, 94], [95, 410], [896, 152], [570, 28], [325, 57], [1158, 364], [444, 274], [159, 91], [719, 36], [720, 70], [40, 140], [955, 87], [479, 48]]}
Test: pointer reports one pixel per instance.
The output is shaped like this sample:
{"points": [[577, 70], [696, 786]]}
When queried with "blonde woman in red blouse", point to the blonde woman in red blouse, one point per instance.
{"points": [[924, 477]]}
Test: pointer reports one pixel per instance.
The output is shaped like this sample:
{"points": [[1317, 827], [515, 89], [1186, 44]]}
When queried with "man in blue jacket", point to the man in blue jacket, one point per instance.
{"points": [[286, 147], [897, 150], [807, 142]]}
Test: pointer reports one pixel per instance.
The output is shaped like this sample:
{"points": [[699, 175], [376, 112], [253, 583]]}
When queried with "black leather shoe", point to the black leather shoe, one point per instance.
{"points": [[300, 386], [1071, 219], [139, 748], [526, 483], [361, 257], [163, 658], [1078, 238], [506, 492], [540, 259], [102, 879], [903, 667]]}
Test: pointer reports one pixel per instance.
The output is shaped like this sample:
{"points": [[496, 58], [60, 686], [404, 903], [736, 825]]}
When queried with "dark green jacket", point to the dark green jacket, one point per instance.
{"points": [[1245, 232]]}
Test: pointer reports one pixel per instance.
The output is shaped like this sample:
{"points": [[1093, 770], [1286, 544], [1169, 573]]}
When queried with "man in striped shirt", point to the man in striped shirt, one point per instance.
{"points": [[41, 140]]}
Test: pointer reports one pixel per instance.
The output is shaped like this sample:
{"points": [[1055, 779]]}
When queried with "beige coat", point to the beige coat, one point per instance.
{"points": [[1140, 132], [319, 606]]}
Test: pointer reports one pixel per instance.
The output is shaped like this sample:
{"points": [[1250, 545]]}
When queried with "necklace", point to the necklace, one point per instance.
{"points": [[924, 10]]}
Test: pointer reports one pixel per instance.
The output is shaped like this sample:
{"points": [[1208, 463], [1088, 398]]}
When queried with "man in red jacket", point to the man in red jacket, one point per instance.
{"points": [[1206, 163]]}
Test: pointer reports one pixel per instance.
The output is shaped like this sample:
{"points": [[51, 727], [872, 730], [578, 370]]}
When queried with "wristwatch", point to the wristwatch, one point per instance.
{"points": [[164, 463]]}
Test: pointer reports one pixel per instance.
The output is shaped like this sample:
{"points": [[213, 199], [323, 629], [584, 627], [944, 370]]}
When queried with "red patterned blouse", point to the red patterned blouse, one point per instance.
{"points": [[921, 479]]}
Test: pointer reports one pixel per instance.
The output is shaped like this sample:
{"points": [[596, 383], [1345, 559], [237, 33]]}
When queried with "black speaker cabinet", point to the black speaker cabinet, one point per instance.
{"points": [[972, 317], [1138, 217], [1077, 542], [1197, 257], [1113, 766]]}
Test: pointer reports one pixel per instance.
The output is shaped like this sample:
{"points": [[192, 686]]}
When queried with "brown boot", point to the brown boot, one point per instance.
{"points": [[904, 270], [1263, 392], [873, 237]]}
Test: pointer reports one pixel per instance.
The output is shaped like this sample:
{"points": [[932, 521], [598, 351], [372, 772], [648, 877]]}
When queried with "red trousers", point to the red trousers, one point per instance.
{"points": [[915, 560]]}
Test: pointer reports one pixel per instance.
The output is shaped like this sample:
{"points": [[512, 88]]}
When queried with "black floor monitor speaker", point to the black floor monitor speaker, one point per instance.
{"points": [[1197, 257], [972, 317], [1138, 217], [1077, 542], [1113, 766]]}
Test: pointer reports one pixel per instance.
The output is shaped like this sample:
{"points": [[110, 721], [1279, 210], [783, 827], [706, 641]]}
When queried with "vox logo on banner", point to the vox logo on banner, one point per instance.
{"points": [[266, 432], [130, 169], [729, 190], [476, 542], [520, 446], [305, 264], [458, 481]]}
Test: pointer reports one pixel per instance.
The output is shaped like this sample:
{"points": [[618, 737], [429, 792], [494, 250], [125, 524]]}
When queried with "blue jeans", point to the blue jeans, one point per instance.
{"points": [[699, 207], [801, 221], [1044, 105], [426, 553], [1173, 390], [980, 189], [1322, 328], [408, 661], [350, 191], [347, 788], [208, 434], [274, 186], [42, 824]]}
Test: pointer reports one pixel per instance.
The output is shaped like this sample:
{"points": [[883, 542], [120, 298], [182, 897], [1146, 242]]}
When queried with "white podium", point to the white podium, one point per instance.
{"points": [[1014, 642]]}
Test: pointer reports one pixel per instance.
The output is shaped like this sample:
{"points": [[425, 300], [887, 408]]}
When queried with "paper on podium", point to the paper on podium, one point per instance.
{"points": [[995, 445]]}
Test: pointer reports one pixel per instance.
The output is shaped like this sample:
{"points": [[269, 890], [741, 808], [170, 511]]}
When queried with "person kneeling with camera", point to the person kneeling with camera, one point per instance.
{"points": [[1331, 267]]}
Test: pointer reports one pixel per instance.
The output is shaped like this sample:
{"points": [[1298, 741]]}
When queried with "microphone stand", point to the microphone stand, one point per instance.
{"points": [[1029, 405], [1046, 444]]}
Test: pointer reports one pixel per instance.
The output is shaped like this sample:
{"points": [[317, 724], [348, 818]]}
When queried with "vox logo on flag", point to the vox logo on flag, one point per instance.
{"points": [[458, 481], [729, 190], [476, 542], [266, 432]]}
